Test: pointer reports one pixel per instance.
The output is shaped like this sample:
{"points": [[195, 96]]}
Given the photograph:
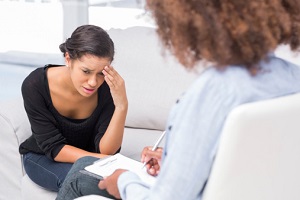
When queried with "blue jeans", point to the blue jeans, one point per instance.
{"points": [[46, 173], [79, 184]]}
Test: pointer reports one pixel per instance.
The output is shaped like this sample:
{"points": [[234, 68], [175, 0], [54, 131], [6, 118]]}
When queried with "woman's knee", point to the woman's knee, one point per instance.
{"points": [[81, 163], [44, 172], [42, 176]]}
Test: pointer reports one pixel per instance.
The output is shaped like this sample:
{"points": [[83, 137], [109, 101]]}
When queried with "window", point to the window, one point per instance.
{"points": [[40, 25]]}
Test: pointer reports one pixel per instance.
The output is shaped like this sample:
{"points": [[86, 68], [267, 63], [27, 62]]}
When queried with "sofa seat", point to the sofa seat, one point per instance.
{"points": [[153, 84]]}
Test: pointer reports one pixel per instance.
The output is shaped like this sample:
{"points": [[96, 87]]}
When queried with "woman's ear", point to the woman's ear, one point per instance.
{"points": [[67, 59]]}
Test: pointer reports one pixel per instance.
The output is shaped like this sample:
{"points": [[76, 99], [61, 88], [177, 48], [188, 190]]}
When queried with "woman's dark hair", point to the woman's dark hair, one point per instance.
{"points": [[226, 32], [88, 39]]}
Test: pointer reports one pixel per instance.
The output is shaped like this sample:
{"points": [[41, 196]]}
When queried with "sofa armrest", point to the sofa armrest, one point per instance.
{"points": [[14, 127]]}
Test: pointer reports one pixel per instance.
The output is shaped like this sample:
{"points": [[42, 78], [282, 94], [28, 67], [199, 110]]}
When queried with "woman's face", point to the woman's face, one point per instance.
{"points": [[86, 73]]}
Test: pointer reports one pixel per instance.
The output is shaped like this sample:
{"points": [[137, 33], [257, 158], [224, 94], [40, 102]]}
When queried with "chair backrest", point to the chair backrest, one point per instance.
{"points": [[259, 153]]}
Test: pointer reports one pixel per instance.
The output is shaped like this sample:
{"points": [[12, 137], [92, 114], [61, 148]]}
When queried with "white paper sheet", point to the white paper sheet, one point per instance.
{"points": [[105, 167]]}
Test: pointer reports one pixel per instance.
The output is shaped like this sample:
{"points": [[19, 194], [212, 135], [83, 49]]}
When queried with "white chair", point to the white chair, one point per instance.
{"points": [[259, 153]]}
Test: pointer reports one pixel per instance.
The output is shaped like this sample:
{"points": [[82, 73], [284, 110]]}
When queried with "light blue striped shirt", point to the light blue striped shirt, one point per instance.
{"points": [[196, 123]]}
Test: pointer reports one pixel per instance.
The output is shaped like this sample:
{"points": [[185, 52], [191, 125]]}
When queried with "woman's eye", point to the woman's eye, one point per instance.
{"points": [[100, 74], [85, 71]]}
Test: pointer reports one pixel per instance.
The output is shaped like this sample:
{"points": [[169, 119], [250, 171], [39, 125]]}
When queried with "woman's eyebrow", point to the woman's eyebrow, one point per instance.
{"points": [[87, 68], [83, 67]]}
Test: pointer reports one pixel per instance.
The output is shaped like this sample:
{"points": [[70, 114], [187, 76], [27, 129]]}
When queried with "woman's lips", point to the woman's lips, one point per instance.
{"points": [[89, 91]]}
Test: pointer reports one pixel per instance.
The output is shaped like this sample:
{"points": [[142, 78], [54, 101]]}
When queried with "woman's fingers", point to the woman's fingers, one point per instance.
{"points": [[112, 77], [116, 85]]}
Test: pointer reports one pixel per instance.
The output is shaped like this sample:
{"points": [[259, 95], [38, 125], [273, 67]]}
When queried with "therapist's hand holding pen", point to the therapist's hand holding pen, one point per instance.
{"points": [[152, 159], [151, 156]]}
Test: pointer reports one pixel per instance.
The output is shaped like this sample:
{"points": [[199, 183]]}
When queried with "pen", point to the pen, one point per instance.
{"points": [[108, 162], [156, 145]]}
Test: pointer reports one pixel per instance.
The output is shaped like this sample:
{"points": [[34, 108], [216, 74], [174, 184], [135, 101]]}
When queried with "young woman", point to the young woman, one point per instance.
{"points": [[238, 39], [75, 110]]}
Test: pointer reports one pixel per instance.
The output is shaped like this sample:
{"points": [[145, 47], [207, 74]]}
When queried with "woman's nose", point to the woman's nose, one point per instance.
{"points": [[92, 81]]}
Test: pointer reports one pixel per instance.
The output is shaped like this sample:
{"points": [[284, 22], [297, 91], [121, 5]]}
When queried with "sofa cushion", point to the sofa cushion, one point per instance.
{"points": [[153, 81], [31, 191], [135, 140]]}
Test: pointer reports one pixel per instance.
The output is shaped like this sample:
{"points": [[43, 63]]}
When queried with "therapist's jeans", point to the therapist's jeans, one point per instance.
{"points": [[46, 173], [79, 184]]}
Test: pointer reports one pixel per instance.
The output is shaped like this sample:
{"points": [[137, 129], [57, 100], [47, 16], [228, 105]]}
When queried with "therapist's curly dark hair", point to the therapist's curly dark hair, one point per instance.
{"points": [[226, 32]]}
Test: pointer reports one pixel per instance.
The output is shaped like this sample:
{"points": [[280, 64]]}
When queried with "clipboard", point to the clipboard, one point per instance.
{"points": [[105, 167]]}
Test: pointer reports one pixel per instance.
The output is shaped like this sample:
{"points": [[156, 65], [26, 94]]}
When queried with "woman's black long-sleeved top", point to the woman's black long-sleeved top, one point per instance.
{"points": [[50, 130]]}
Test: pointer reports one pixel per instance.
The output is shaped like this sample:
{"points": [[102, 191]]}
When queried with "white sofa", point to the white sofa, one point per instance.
{"points": [[153, 84]]}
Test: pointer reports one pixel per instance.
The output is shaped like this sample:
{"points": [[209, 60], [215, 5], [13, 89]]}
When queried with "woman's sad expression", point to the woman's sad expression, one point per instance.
{"points": [[86, 73]]}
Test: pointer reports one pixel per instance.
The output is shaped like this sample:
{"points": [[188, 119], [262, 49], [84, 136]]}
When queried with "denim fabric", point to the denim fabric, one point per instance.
{"points": [[45, 172], [79, 184]]}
